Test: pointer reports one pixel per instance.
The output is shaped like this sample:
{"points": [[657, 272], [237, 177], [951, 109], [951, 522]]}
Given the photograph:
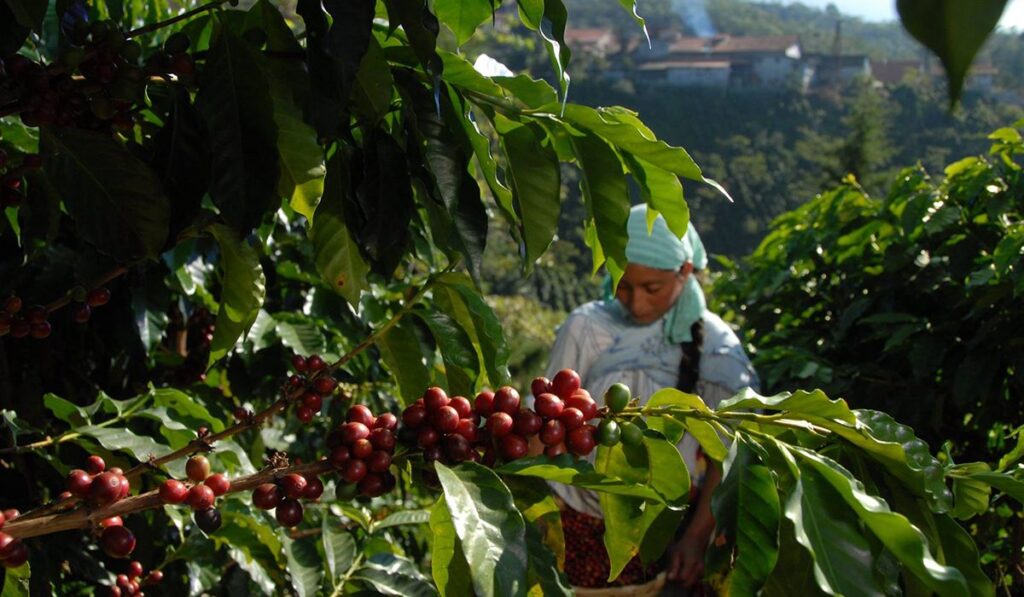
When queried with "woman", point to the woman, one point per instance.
{"points": [[655, 333]]}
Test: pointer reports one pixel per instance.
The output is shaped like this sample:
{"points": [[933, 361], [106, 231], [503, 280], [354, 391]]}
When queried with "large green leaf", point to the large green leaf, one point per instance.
{"points": [[535, 187], [391, 575], [904, 540], [303, 337], [401, 518], [747, 513], [374, 88], [607, 199], [115, 199], [959, 550], [186, 406], [339, 548], [662, 191], [484, 325], [16, 581], [400, 349], [1011, 486], [953, 30], [182, 159], [234, 100], [243, 287], [141, 447], [335, 252], [491, 529], [421, 28], [447, 561], [302, 158], [460, 360], [304, 566], [568, 470], [701, 430], [463, 16], [970, 493], [814, 403]]}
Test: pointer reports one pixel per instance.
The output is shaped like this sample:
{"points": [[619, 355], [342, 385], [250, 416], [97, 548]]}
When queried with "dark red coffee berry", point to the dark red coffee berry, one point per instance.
{"points": [[540, 385], [506, 400], [314, 488], [200, 497], [218, 483], [484, 403], [97, 297], [173, 491], [79, 482], [434, 398], [117, 541], [293, 485], [209, 520], [500, 424], [105, 489], [289, 512], [267, 496], [565, 383], [95, 465], [548, 406]]}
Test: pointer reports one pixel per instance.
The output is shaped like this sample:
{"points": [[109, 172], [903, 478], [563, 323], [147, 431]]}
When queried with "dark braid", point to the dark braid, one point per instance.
{"points": [[689, 363]]}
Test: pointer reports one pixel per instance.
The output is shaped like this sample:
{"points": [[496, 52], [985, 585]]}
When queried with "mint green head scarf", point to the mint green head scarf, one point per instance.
{"points": [[660, 248]]}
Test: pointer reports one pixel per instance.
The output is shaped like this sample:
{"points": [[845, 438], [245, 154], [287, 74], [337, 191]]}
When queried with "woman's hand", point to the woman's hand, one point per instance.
{"points": [[686, 560]]}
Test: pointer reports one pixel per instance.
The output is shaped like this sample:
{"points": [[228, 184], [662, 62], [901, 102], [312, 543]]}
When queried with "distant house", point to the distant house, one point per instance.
{"points": [[826, 69], [981, 78], [892, 72], [600, 43], [705, 61]]}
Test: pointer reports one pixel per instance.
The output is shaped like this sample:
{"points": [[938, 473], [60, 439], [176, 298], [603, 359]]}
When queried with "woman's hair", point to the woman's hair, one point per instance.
{"points": [[689, 363]]}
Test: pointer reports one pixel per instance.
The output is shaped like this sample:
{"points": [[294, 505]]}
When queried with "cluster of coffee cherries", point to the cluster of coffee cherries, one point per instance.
{"points": [[448, 430], [11, 175], [361, 450], [199, 329], [13, 552], [34, 320], [283, 496], [312, 377], [201, 496], [129, 583], [565, 408]]}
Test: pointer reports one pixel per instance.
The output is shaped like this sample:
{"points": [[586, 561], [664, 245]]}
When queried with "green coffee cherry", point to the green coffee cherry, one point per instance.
{"points": [[608, 433], [617, 397], [631, 434]]}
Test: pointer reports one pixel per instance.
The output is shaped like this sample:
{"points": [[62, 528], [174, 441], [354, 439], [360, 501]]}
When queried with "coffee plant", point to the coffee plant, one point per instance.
{"points": [[240, 265]]}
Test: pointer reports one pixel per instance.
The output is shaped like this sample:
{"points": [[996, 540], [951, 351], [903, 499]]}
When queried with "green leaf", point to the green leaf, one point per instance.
{"points": [[400, 518], [400, 349], [141, 447], [447, 561], [182, 159], [421, 28], [243, 287], [535, 187], [747, 514], [304, 566], [545, 575], [234, 100], [960, 552], [16, 581], [65, 410], [904, 540], [673, 426], [533, 498], [302, 158], [303, 337], [339, 548], [12, 34], [28, 13], [335, 252], [186, 406], [253, 544], [114, 198], [607, 199], [374, 84], [815, 404], [953, 30], [970, 494], [1011, 486], [485, 325], [463, 16], [460, 361], [491, 529], [662, 191], [391, 575], [579, 473]]}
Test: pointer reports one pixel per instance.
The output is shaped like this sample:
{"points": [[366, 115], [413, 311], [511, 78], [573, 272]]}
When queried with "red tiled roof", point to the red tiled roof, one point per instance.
{"points": [[730, 44], [893, 71], [586, 35]]}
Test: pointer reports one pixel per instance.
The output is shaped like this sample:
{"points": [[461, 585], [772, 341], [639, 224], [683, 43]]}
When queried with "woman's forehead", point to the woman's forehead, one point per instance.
{"points": [[637, 274]]}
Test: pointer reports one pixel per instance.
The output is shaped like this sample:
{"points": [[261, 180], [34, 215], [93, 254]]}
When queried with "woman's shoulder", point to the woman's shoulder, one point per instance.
{"points": [[723, 360], [595, 314]]}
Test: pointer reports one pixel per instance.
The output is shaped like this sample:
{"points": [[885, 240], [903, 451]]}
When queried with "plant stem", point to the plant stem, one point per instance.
{"points": [[185, 15], [85, 517]]}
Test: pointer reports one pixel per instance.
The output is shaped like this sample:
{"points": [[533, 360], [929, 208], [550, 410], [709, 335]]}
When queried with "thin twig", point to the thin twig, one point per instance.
{"points": [[185, 15]]}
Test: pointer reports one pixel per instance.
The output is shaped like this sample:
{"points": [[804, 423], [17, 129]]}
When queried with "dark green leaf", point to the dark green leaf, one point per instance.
{"points": [[304, 566], [960, 552], [339, 547], [28, 13], [579, 473], [535, 187], [460, 361], [391, 575], [234, 101], [485, 326], [141, 447], [243, 287], [12, 33], [16, 580], [65, 410], [447, 561], [303, 337], [491, 529], [182, 159], [970, 494], [402, 517], [953, 30], [115, 199], [336, 253], [374, 87], [400, 349], [607, 199], [421, 28], [1011, 486]]}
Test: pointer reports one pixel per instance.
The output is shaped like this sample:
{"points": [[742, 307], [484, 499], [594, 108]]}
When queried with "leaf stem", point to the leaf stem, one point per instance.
{"points": [[185, 15]]}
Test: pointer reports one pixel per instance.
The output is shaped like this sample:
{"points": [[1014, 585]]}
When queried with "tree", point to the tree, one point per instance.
{"points": [[245, 240]]}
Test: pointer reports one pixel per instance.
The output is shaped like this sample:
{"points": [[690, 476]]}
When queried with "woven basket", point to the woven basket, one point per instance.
{"points": [[650, 589]]}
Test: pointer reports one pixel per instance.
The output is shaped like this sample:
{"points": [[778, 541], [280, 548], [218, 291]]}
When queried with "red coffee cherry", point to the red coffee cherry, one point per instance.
{"points": [[35, 314], [40, 330], [513, 446], [506, 400], [456, 447], [361, 448], [555, 450], [580, 441], [200, 497], [113, 521], [527, 423], [548, 405], [313, 401], [197, 468], [581, 399], [97, 297], [382, 439], [95, 465], [293, 485], [359, 413], [299, 364], [314, 363], [135, 569], [572, 418], [414, 416], [386, 421], [467, 429], [15, 555], [552, 432], [173, 491], [117, 541], [105, 488], [325, 384], [434, 398], [79, 482], [428, 436], [500, 424], [379, 461], [218, 483], [484, 403], [314, 488], [126, 487], [267, 496], [13, 304], [461, 406], [565, 383], [289, 513], [154, 577], [354, 471], [339, 455], [446, 419], [350, 432], [304, 414], [81, 313], [540, 385], [372, 485]]}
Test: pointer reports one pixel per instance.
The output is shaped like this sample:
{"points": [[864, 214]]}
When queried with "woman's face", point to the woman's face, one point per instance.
{"points": [[648, 293]]}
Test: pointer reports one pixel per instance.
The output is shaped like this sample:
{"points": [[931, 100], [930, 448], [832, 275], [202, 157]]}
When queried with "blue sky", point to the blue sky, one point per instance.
{"points": [[885, 10]]}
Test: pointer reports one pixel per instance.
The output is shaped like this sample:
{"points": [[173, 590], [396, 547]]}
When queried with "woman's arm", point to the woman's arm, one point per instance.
{"points": [[686, 561]]}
